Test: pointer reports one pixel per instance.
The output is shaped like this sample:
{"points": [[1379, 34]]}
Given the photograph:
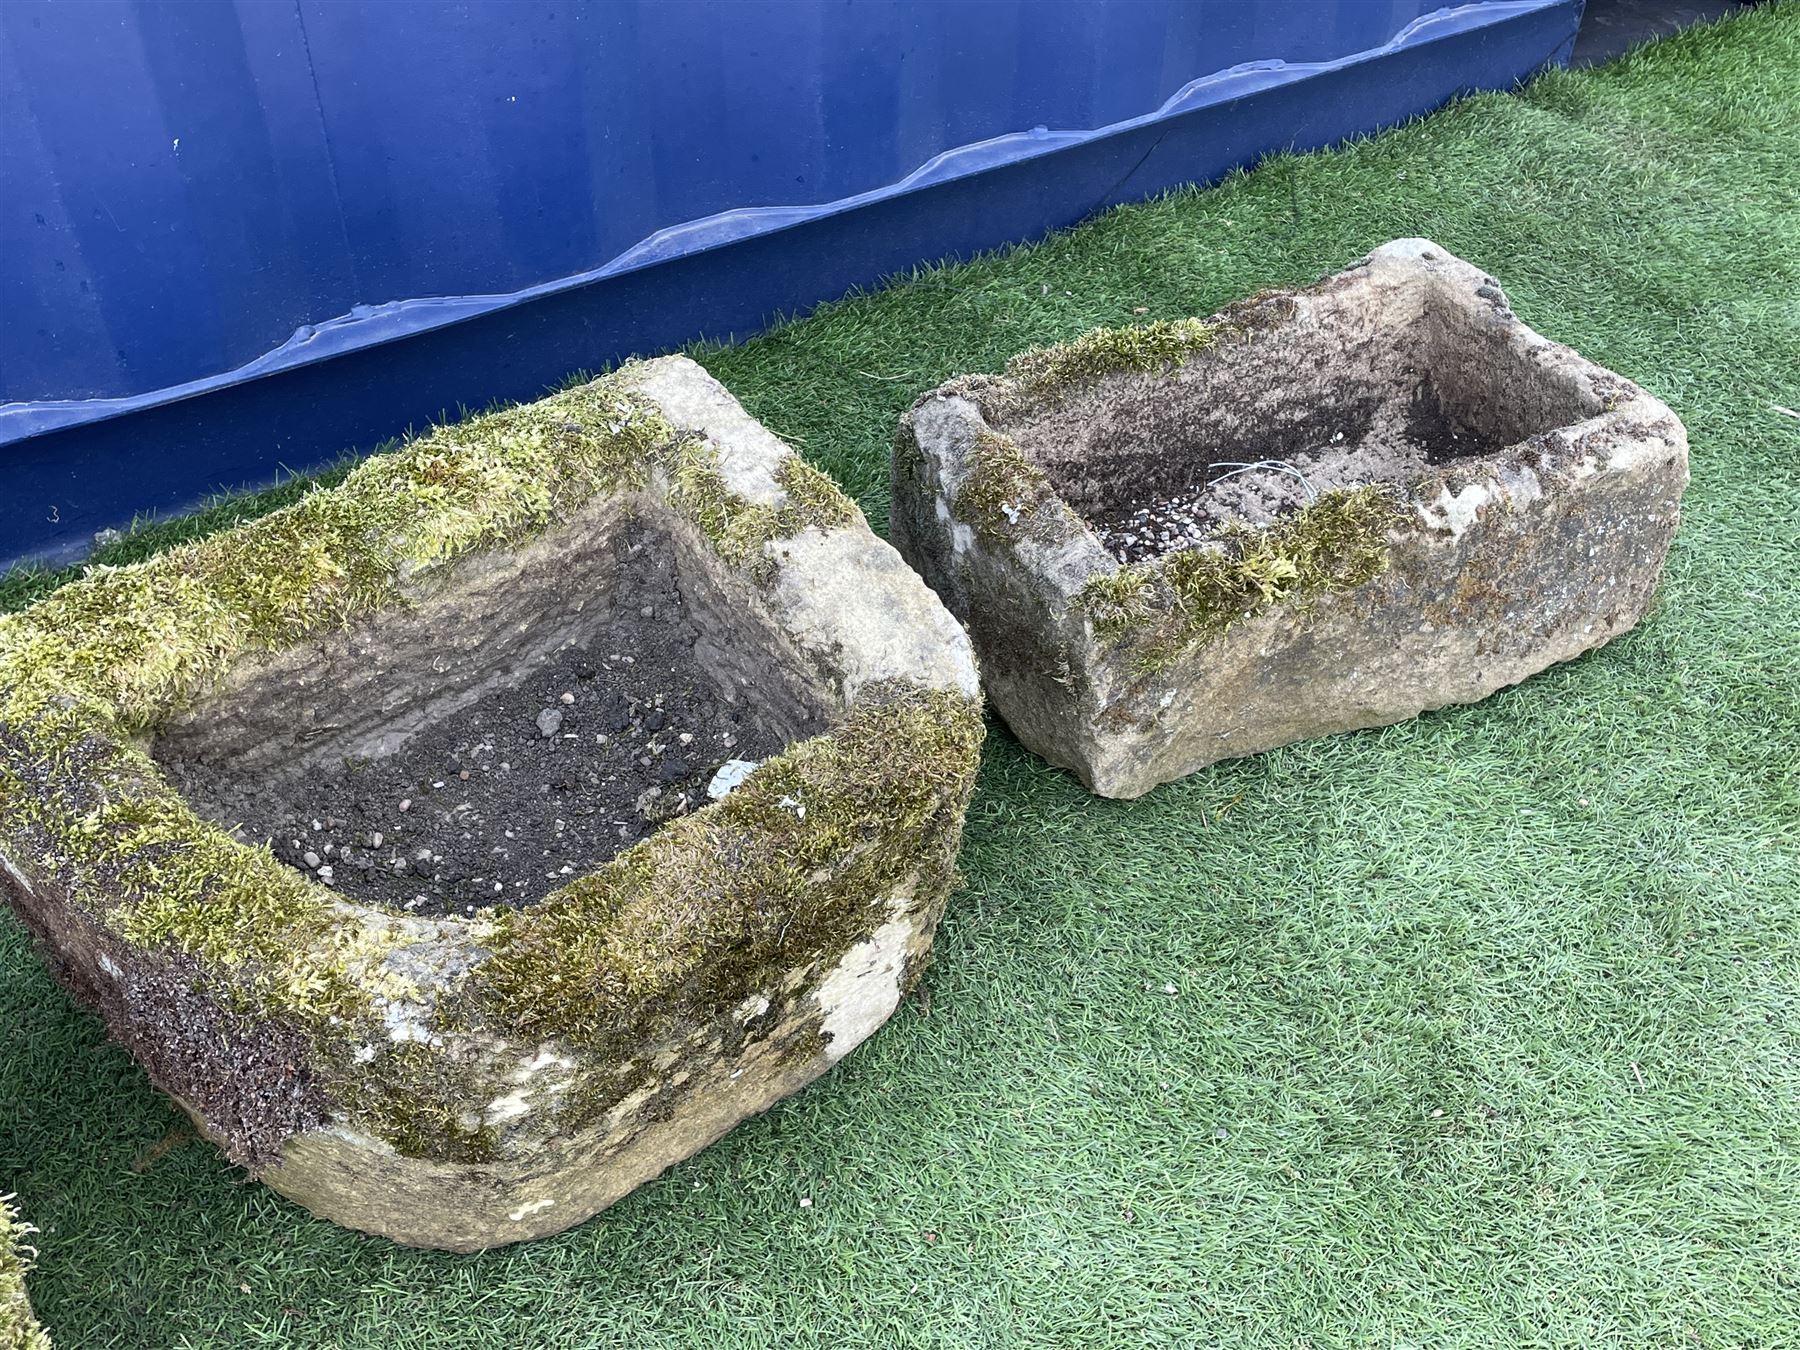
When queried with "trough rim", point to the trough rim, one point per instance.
{"points": [[88, 673], [1058, 547]]}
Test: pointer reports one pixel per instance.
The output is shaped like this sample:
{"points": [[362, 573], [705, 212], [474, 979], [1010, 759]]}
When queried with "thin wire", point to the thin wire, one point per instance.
{"points": [[1238, 466]]}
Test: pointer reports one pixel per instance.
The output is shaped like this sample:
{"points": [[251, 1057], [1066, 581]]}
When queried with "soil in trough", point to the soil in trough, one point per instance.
{"points": [[510, 797], [1160, 502]]}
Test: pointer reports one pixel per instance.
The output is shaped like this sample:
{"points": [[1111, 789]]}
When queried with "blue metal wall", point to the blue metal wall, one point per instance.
{"points": [[241, 234]]}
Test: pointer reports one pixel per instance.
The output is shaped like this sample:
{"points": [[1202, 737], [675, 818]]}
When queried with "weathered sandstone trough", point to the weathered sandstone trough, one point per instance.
{"points": [[416, 687], [1319, 510], [19, 1329]]}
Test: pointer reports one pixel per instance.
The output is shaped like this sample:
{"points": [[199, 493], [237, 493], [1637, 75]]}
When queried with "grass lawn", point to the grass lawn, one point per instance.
{"points": [[1486, 1027]]}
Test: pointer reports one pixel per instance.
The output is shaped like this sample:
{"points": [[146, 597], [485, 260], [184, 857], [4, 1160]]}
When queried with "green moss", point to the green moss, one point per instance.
{"points": [[741, 530], [102, 822], [1004, 495], [1117, 601], [111, 655], [1145, 348], [19, 1330], [1168, 606], [418, 1102], [142, 639], [784, 871]]}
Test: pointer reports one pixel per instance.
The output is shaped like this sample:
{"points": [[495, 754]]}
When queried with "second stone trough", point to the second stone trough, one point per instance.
{"points": [[1319, 510]]}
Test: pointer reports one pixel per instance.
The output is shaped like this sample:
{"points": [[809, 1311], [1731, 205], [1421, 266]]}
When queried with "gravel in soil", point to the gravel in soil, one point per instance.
{"points": [[1150, 516], [509, 798]]}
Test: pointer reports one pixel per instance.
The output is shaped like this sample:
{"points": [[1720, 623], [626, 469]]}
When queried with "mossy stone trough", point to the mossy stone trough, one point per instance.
{"points": [[1320, 510], [471, 1079]]}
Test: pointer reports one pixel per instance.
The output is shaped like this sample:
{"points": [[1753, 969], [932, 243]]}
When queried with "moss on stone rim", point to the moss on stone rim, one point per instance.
{"points": [[1004, 496], [88, 672], [787, 873], [740, 530], [1140, 348], [19, 1329], [112, 654], [1169, 605], [736, 891], [144, 638]]}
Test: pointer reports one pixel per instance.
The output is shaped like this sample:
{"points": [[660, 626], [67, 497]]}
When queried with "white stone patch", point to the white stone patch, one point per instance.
{"points": [[405, 1021], [848, 595], [749, 453], [16, 874], [544, 1059], [504, 1110], [110, 966], [1456, 513], [731, 775], [524, 1212], [863, 989], [1521, 486], [516, 1105], [1633, 453]]}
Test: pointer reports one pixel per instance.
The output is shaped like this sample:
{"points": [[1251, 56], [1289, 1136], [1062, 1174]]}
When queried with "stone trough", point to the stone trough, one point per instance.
{"points": [[1320, 510], [464, 845]]}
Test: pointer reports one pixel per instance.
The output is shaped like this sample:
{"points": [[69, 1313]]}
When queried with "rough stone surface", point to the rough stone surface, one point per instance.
{"points": [[1443, 502], [468, 1080]]}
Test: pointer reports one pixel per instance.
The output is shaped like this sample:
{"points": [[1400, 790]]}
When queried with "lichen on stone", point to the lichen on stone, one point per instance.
{"points": [[19, 1329], [1168, 605]]}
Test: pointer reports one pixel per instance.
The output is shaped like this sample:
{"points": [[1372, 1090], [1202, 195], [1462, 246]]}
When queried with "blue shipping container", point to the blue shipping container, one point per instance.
{"points": [[241, 235]]}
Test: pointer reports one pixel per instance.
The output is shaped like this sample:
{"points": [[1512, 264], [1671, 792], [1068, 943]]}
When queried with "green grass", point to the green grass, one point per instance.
{"points": [[1486, 1028]]}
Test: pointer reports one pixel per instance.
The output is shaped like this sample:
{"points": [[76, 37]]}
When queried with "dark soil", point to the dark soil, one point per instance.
{"points": [[512, 796], [1161, 502]]}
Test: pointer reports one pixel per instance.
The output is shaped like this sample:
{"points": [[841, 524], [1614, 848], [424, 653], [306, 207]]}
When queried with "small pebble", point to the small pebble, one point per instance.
{"points": [[310, 858], [549, 722], [568, 697], [375, 839], [406, 803]]}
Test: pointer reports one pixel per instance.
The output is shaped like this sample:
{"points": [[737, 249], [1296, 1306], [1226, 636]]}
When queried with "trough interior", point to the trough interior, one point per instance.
{"points": [[1373, 385], [455, 707]]}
